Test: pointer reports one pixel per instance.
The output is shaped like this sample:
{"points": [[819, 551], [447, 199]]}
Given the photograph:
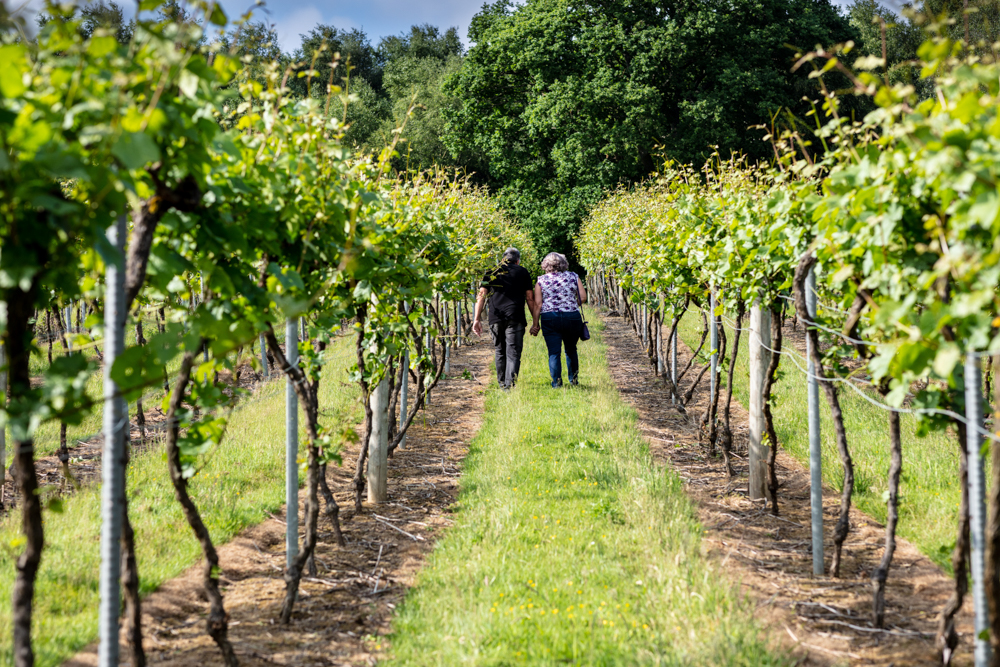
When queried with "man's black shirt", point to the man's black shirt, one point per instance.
{"points": [[506, 287]]}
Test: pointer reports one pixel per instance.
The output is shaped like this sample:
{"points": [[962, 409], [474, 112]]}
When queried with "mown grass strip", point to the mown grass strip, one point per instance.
{"points": [[240, 483], [47, 434], [571, 545], [929, 491]]}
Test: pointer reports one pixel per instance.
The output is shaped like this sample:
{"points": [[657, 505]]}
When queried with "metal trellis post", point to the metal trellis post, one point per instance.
{"points": [[430, 344], [714, 342], [263, 357], [201, 276], [815, 446], [444, 340], [660, 366], [977, 505], [645, 329], [673, 363], [69, 327], [113, 470], [760, 358], [3, 405], [291, 444], [404, 387]]}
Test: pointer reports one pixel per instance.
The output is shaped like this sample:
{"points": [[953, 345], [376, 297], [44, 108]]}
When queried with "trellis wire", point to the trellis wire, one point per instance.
{"points": [[853, 382]]}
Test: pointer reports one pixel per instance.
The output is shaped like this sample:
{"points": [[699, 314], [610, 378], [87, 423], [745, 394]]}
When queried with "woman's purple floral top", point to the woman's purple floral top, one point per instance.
{"points": [[559, 292]]}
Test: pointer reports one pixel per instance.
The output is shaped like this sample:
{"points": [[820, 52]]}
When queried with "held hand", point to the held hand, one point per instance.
{"points": [[534, 330], [477, 328]]}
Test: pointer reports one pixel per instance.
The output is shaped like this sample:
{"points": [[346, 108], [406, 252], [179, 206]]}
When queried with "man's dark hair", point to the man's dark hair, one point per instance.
{"points": [[511, 256]]}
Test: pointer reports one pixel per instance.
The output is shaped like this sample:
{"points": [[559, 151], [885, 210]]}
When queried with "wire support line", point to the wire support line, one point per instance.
{"points": [[819, 303], [26, 449], [906, 411], [734, 327], [816, 325]]}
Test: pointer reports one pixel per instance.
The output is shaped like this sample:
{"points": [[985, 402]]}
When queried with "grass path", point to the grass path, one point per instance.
{"points": [[571, 545]]}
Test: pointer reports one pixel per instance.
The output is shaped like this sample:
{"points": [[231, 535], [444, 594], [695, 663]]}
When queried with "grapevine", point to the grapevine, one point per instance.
{"points": [[897, 214]]}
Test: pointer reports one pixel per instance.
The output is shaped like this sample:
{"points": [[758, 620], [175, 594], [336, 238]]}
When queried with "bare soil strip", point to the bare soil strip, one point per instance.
{"points": [[824, 621], [344, 613]]}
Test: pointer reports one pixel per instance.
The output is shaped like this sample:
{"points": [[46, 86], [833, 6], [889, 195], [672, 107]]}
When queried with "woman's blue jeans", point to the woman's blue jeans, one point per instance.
{"points": [[560, 329]]}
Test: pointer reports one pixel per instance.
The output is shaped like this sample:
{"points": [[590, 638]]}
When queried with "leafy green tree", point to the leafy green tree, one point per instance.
{"points": [[902, 35], [403, 75], [254, 43], [321, 44], [415, 87], [976, 21], [560, 100], [363, 110], [93, 16], [424, 41]]}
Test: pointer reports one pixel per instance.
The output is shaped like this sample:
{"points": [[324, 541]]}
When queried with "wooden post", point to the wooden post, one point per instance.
{"points": [[760, 358], [378, 445]]}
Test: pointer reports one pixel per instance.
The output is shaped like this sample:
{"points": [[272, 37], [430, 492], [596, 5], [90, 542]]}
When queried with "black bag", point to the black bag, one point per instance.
{"points": [[585, 330]]}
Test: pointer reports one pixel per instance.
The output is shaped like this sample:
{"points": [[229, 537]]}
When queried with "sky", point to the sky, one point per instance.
{"points": [[378, 18]]}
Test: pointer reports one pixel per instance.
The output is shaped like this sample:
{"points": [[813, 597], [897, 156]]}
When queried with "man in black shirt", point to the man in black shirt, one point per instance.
{"points": [[509, 288]]}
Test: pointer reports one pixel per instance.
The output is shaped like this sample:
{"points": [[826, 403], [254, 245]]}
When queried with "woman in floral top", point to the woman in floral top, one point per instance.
{"points": [[558, 293]]}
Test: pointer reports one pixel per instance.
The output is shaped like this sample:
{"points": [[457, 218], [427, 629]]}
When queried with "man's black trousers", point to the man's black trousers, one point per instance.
{"points": [[508, 339]]}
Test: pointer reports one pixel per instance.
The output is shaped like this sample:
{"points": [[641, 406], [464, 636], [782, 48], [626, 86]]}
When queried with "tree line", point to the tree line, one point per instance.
{"points": [[383, 86], [556, 102]]}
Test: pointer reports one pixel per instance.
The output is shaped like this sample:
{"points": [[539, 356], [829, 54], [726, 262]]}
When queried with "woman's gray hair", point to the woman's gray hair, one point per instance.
{"points": [[555, 261]]}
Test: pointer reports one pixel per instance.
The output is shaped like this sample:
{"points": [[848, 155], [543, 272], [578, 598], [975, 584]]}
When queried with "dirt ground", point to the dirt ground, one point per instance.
{"points": [[343, 614], [824, 621]]}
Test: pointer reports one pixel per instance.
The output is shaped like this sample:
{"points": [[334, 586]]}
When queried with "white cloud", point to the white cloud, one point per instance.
{"points": [[292, 26], [29, 10]]}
